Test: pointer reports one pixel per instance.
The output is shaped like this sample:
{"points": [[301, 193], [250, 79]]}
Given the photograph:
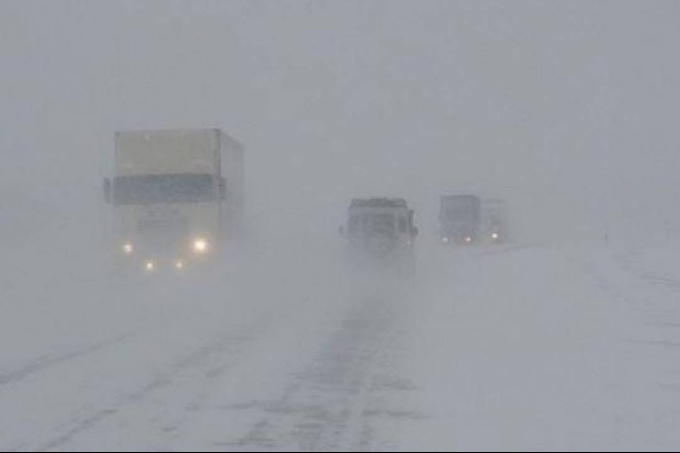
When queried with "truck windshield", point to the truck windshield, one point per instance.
{"points": [[380, 225], [453, 212], [372, 225], [459, 208], [155, 189]]}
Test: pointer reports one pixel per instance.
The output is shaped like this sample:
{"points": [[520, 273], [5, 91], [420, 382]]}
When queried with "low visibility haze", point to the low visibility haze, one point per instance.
{"points": [[562, 336], [565, 109]]}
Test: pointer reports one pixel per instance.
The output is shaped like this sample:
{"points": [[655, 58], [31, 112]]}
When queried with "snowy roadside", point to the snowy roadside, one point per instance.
{"points": [[539, 349]]}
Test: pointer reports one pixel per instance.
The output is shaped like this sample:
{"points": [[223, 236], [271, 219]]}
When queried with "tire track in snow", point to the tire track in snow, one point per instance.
{"points": [[215, 357], [330, 406], [633, 265], [225, 346], [47, 363]]}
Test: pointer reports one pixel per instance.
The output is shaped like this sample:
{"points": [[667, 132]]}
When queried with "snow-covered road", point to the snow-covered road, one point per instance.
{"points": [[514, 348]]}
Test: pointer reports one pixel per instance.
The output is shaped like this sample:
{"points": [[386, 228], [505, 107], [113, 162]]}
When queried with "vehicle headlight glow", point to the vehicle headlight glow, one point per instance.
{"points": [[201, 246], [468, 240], [445, 240], [179, 265], [150, 266], [128, 248], [495, 236]]}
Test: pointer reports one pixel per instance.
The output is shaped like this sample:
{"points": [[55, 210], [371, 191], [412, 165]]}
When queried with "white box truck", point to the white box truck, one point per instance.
{"points": [[176, 197]]}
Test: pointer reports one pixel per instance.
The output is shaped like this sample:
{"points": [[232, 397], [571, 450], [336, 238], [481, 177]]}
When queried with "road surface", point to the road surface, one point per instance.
{"points": [[510, 348]]}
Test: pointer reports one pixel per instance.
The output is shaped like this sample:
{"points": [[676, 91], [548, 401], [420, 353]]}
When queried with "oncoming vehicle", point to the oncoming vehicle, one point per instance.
{"points": [[381, 230], [460, 219], [176, 197]]}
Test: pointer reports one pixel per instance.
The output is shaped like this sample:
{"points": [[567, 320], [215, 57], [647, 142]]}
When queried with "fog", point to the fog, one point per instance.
{"points": [[567, 110]]}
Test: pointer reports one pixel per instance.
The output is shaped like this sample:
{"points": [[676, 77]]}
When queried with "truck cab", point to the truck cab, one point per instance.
{"points": [[381, 229], [494, 223], [176, 196]]}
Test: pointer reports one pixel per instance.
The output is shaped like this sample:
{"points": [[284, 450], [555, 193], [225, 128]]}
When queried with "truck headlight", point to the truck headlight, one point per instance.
{"points": [[150, 266], [128, 248], [495, 236], [201, 246]]}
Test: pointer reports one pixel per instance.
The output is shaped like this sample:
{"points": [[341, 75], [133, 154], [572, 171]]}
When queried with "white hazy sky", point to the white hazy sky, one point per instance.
{"points": [[567, 108]]}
